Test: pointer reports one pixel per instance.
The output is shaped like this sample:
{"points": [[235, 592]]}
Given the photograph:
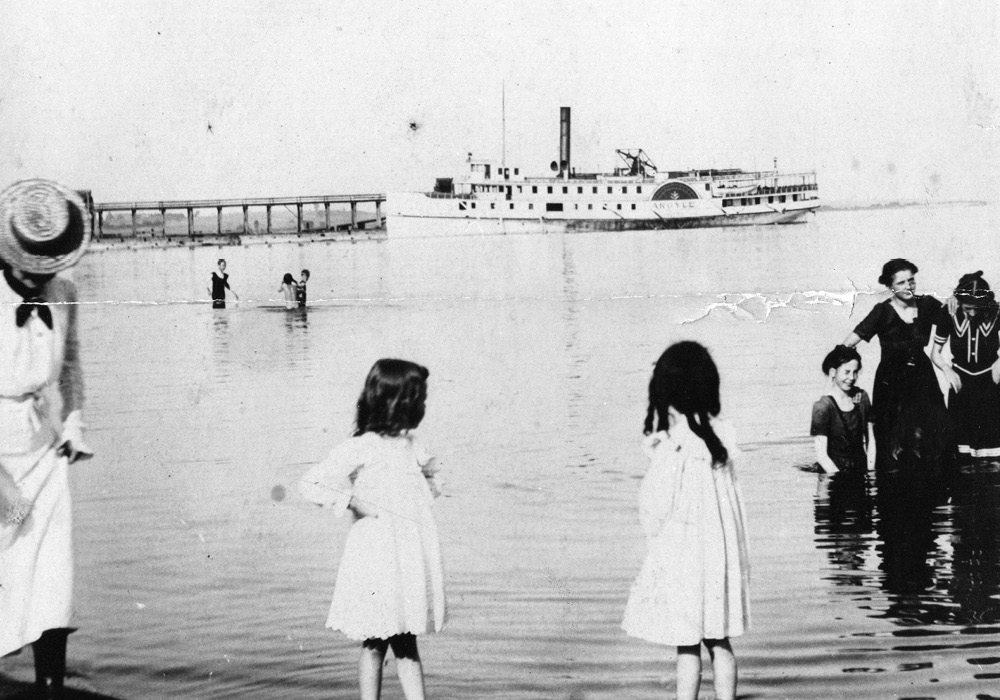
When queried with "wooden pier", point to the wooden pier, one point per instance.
{"points": [[97, 211]]}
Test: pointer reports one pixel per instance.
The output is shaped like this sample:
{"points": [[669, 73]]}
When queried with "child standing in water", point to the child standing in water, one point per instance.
{"points": [[842, 427], [390, 585], [693, 587], [288, 290], [300, 289]]}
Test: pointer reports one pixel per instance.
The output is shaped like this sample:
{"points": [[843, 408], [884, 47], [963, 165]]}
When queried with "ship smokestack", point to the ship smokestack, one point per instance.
{"points": [[564, 140]]}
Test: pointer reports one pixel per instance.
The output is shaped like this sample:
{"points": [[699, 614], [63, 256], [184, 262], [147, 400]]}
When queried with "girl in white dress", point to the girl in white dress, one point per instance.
{"points": [[693, 586], [390, 584]]}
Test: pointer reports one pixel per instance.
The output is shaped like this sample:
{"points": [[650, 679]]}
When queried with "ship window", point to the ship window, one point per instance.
{"points": [[591, 206], [511, 205], [515, 171], [579, 190], [638, 189], [519, 189], [609, 190], [549, 189], [534, 189], [553, 206], [619, 206], [565, 190], [576, 206], [461, 206], [756, 200], [770, 200], [595, 190], [781, 198], [633, 207], [473, 205], [743, 202], [727, 202], [493, 205], [531, 205], [624, 190], [706, 187], [795, 198]]}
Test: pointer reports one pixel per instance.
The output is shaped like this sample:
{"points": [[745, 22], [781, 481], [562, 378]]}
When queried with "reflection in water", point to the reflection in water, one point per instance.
{"points": [[935, 538], [843, 509], [912, 518], [975, 585], [296, 319]]}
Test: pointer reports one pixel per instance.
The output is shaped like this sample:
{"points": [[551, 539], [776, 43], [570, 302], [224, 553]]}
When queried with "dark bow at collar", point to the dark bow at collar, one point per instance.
{"points": [[33, 301]]}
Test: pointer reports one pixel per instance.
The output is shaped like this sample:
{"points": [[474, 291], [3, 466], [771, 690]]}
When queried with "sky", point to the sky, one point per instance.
{"points": [[142, 101]]}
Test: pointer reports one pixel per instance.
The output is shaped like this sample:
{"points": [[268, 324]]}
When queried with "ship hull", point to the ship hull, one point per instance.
{"points": [[404, 225]]}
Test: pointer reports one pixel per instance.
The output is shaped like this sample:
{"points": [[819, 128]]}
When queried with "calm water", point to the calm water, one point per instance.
{"points": [[197, 578]]}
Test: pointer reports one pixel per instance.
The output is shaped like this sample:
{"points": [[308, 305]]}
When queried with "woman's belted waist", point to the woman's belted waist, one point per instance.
{"points": [[25, 423], [905, 358]]}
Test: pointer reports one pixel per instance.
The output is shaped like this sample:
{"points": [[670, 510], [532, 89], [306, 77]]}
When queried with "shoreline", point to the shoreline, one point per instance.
{"points": [[13, 689]]}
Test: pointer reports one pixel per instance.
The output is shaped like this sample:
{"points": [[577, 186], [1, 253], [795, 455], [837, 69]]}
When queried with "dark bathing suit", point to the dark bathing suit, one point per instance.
{"points": [[300, 294], [219, 287], [905, 377], [845, 431]]}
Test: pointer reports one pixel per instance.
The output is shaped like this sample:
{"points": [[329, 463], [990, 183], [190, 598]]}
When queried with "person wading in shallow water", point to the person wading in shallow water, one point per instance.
{"points": [[220, 283], [904, 378], [42, 232], [300, 290]]}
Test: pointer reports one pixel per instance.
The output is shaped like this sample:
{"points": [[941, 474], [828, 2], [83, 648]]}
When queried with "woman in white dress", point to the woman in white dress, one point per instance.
{"points": [[42, 232], [693, 586]]}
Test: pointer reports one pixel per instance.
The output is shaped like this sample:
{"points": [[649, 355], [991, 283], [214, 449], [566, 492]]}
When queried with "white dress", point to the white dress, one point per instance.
{"points": [[694, 583], [390, 579], [41, 394]]}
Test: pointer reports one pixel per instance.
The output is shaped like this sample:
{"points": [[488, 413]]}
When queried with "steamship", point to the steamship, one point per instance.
{"points": [[495, 198]]}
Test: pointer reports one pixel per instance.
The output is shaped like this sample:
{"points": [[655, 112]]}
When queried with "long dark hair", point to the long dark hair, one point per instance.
{"points": [[686, 378], [393, 398]]}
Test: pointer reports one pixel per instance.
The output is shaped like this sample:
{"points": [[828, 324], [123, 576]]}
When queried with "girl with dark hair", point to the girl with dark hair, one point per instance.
{"points": [[288, 290], [841, 419], [971, 331], [693, 587], [390, 584], [903, 324]]}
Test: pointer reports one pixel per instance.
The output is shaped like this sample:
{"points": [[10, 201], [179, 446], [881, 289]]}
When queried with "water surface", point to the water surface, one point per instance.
{"points": [[201, 574]]}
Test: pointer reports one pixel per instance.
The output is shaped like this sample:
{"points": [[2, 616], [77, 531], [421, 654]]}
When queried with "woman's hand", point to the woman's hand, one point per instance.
{"points": [[955, 381], [362, 508]]}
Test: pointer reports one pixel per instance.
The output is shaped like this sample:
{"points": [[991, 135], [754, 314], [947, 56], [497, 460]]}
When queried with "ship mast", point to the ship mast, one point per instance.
{"points": [[503, 124]]}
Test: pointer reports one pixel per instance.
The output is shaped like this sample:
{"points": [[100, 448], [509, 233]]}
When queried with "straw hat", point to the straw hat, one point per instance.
{"points": [[42, 227]]}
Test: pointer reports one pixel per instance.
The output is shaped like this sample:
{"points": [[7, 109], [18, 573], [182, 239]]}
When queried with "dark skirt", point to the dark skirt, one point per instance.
{"points": [[902, 383], [975, 413]]}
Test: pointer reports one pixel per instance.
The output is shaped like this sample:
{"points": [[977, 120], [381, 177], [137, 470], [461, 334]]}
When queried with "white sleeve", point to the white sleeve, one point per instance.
{"points": [[331, 483]]}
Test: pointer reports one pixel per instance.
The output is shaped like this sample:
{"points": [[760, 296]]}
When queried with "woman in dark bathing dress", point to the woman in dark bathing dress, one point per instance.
{"points": [[905, 379], [972, 332]]}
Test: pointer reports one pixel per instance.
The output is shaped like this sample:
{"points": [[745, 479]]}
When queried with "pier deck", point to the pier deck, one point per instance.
{"points": [[98, 210]]}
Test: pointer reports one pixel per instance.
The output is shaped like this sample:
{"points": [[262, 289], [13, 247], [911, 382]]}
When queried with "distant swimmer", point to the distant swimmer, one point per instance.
{"points": [[300, 290], [220, 283], [289, 290]]}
